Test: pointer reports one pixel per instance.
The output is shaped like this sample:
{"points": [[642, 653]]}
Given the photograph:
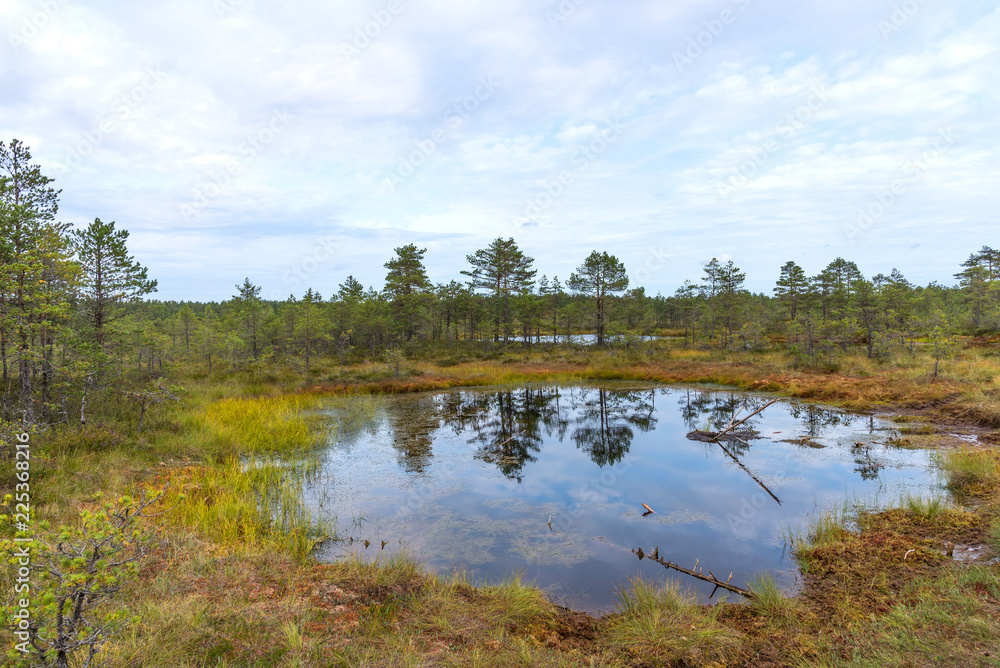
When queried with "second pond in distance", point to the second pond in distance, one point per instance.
{"points": [[468, 479]]}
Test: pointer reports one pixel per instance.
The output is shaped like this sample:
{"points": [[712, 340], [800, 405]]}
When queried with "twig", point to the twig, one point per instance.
{"points": [[733, 425], [710, 578], [967, 410]]}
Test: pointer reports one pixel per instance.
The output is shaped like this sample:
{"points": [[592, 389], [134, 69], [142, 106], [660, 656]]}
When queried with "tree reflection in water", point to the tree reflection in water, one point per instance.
{"points": [[412, 424], [605, 419], [508, 427]]}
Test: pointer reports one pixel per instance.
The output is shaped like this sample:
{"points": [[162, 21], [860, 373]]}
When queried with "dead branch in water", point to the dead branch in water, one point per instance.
{"points": [[733, 424], [500, 445], [710, 578]]}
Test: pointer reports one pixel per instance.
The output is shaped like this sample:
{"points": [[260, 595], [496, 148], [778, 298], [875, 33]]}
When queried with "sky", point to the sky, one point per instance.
{"points": [[298, 142]]}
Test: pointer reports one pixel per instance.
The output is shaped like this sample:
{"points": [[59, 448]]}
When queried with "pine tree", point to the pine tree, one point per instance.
{"points": [[250, 312], [710, 288], [32, 249], [406, 286], [308, 324], [111, 276], [791, 286], [600, 274], [503, 270]]}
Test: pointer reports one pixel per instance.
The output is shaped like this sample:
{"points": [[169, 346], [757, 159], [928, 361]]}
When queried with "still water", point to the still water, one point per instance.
{"points": [[470, 479]]}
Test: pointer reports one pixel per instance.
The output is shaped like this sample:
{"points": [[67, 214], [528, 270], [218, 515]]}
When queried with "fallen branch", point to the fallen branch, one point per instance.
{"points": [[710, 578], [733, 425]]}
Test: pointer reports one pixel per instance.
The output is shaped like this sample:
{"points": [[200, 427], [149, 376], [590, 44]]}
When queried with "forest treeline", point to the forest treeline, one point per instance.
{"points": [[75, 317]]}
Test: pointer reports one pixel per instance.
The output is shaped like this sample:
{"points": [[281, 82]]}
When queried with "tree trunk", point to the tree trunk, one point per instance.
{"points": [[24, 371], [3, 354], [600, 320]]}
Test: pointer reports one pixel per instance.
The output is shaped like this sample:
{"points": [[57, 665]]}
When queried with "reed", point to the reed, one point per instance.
{"points": [[245, 504], [261, 424]]}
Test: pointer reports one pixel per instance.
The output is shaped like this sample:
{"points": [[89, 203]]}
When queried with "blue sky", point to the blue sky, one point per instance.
{"points": [[298, 142]]}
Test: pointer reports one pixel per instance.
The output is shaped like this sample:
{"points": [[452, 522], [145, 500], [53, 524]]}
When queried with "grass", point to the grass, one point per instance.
{"points": [[232, 584], [972, 472], [769, 601], [923, 507], [252, 505], [660, 626], [252, 425]]}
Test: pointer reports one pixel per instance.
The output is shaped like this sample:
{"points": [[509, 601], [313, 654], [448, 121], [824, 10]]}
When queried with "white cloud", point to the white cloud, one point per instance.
{"points": [[838, 110]]}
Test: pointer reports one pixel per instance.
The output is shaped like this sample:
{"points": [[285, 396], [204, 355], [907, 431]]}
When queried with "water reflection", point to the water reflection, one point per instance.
{"points": [[470, 478], [508, 427], [605, 419], [815, 419]]}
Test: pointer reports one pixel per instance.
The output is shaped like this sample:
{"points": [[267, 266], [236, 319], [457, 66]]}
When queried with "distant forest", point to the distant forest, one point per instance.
{"points": [[76, 318]]}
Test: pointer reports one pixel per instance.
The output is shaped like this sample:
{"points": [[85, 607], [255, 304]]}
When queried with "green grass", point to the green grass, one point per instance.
{"points": [[660, 626], [250, 425], [972, 472], [769, 601], [255, 505], [923, 507]]}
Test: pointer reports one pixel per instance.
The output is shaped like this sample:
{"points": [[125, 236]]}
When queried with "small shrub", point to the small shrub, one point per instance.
{"points": [[78, 571]]}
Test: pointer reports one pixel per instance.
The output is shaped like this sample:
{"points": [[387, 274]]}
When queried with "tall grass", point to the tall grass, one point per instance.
{"points": [[829, 527], [248, 495], [924, 507], [769, 601], [661, 626], [261, 424], [255, 505], [974, 472]]}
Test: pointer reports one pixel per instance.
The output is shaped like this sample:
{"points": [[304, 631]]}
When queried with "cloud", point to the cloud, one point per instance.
{"points": [[805, 112]]}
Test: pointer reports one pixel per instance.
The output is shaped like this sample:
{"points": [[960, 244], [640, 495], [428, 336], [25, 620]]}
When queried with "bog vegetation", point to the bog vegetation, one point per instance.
{"points": [[169, 442]]}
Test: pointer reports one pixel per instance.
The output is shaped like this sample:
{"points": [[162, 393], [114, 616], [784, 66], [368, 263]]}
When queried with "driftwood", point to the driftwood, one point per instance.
{"points": [[733, 424], [696, 573], [714, 437]]}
